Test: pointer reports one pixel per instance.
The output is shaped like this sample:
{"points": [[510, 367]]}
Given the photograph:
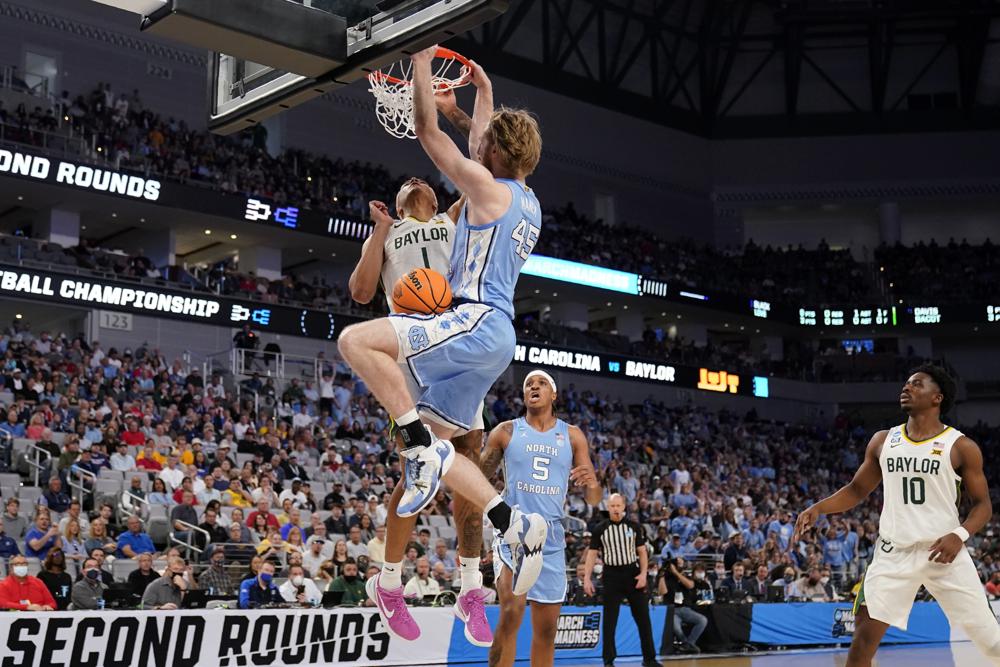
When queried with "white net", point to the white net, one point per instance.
{"points": [[394, 94]]}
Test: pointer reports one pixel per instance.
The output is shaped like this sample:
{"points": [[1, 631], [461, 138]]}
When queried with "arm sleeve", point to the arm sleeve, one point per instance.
{"points": [[245, 593], [73, 599], [7, 600], [595, 537], [46, 595]]}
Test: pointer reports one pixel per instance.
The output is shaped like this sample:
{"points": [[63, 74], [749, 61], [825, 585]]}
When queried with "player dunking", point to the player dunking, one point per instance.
{"points": [[455, 357], [541, 454], [422, 237], [922, 465]]}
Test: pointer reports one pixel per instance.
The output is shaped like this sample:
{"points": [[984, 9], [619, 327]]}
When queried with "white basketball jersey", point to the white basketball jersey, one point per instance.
{"points": [[413, 244], [919, 486]]}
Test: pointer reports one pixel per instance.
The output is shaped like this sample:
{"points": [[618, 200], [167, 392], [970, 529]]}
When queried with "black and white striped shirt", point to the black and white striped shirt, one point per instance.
{"points": [[618, 542]]}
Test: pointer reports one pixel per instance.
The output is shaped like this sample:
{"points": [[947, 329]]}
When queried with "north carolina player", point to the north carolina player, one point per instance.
{"points": [[923, 466], [423, 237], [541, 455], [456, 356]]}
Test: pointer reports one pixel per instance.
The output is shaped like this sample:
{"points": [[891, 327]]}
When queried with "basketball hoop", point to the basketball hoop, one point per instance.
{"points": [[393, 89]]}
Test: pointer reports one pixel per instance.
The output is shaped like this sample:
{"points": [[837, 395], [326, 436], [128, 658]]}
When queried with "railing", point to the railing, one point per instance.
{"points": [[34, 459], [242, 362], [62, 144], [7, 453], [78, 478], [190, 544], [240, 390], [127, 504]]}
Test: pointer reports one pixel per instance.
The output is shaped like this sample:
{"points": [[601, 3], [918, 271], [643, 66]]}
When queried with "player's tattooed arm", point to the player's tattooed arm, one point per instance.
{"points": [[496, 443], [448, 106]]}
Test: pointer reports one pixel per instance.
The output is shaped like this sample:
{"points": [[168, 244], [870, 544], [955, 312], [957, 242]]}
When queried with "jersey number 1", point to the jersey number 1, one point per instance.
{"points": [[913, 491]]}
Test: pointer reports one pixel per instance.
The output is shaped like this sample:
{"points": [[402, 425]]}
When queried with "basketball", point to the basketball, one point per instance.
{"points": [[422, 291]]}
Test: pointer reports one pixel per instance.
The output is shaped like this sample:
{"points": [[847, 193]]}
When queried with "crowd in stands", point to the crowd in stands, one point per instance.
{"points": [[184, 488], [953, 272], [124, 130]]}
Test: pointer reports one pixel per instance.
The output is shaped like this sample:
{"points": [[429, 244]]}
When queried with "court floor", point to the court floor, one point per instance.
{"points": [[961, 654]]}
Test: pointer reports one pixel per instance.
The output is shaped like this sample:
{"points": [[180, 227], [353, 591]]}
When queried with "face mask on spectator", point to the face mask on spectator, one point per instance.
{"points": [[297, 580], [20, 570], [699, 575], [265, 577], [93, 574], [351, 577]]}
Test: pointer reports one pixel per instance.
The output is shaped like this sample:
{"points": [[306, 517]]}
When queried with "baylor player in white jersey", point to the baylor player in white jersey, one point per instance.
{"points": [[924, 467], [422, 237]]}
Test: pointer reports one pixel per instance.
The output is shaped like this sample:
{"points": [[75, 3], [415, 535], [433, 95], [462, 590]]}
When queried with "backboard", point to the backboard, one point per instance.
{"points": [[293, 65]]}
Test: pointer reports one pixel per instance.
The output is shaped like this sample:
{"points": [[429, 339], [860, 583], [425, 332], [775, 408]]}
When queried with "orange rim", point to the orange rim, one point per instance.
{"points": [[442, 52]]}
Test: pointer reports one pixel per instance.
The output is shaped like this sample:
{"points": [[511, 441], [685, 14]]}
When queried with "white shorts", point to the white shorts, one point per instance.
{"points": [[897, 573]]}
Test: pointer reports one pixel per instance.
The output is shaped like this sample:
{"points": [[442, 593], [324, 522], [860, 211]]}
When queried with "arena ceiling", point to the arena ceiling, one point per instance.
{"points": [[751, 68]]}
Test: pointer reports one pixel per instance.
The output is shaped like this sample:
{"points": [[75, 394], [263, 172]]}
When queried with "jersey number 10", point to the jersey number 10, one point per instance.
{"points": [[913, 491]]}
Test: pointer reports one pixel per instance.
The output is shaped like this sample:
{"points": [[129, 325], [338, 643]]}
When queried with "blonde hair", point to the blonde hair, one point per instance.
{"points": [[517, 138]]}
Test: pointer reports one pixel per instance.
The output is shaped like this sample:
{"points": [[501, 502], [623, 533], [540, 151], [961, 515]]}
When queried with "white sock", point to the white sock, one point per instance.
{"points": [[472, 578], [408, 418], [391, 576], [497, 499]]}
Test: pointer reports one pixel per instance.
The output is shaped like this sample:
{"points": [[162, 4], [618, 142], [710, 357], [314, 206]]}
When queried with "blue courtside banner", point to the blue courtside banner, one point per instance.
{"points": [[578, 637], [816, 623]]}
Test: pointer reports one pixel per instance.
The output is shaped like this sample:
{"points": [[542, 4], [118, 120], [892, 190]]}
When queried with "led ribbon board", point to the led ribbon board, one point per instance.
{"points": [[581, 274]]}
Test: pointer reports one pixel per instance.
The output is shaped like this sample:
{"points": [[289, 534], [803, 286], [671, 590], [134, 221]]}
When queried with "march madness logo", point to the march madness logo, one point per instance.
{"points": [[578, 630], [843, 622]]}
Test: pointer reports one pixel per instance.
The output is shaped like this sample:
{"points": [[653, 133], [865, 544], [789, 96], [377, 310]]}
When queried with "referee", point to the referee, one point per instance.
{"points": [[623, 547]]}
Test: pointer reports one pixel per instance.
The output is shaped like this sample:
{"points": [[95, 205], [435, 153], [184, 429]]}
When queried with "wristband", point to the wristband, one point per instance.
{"points": [[962, 533]]}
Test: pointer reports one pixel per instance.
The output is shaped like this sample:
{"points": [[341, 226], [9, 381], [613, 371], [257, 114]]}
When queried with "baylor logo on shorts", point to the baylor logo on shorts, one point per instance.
{"points": [[843, 622], [578, 630]]}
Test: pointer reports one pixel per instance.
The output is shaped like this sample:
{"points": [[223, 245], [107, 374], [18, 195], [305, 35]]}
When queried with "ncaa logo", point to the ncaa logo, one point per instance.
{"points": [[576, 631], [417, 337], [843, 623]]}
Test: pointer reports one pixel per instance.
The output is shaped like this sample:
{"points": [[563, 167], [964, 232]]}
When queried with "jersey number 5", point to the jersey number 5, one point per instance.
{"points": [[526, 236], [541, 466]]}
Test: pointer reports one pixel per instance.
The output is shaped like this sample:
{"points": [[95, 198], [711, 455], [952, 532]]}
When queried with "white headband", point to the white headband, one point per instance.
{"points": [[545, 375]]}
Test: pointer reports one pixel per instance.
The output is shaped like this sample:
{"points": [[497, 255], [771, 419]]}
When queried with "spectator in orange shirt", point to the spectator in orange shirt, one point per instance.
{"points": [[23, 592]]}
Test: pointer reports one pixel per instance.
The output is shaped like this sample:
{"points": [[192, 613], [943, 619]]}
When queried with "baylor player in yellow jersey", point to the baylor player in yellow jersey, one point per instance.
{"points": [[923, 466]]}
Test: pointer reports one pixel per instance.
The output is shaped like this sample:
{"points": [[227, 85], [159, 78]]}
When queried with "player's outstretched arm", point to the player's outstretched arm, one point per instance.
{"points": [[588, 570], [967, 459], [583, 473], [483, 109], [447, 103], [455, 209], [496, 444], [363, 282], [492, 198], [865, 480]]}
